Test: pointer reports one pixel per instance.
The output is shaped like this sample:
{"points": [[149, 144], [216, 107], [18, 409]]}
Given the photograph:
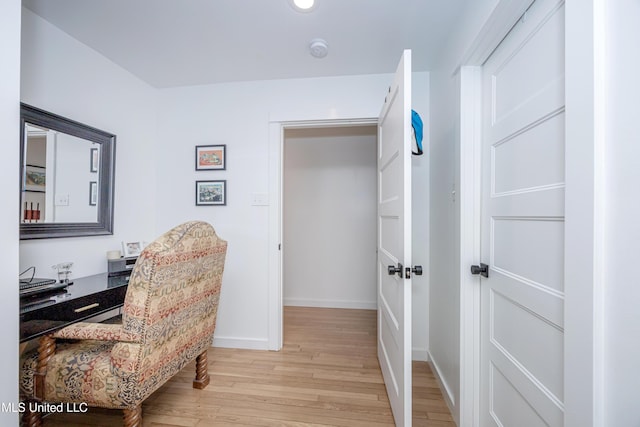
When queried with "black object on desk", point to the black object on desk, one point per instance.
{"points": [[36, 285], [89, 296]]}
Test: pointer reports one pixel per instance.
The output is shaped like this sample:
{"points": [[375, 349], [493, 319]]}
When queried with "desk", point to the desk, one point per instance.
{"points": [[85, 298]]}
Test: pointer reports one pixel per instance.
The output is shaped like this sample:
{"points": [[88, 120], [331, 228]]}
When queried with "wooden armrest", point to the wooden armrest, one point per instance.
{"points": [[77, 331]]}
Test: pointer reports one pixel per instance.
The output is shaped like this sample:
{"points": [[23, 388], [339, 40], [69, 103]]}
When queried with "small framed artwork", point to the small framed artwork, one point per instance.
{"points": [[211, 157], [209, 193], [93, 193], [34, 178], [94, 160], [130, 249]]}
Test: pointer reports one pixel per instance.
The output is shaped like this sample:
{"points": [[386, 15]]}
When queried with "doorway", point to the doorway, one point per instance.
{"points": [[329, 216], [394, 263]]}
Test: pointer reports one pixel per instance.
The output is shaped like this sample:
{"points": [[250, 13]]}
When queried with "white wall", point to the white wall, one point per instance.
{"points": [[238, 114], [63, 76], [444, 260], [622, 213], [329, 217], [72, 177], [444, 291], [9, 218]]}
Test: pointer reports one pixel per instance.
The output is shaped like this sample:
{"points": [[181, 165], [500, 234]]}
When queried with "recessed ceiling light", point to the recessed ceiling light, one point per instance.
{"points": [[303, 5]]}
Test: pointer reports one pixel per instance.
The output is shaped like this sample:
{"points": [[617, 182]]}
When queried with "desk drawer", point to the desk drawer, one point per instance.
{"points": [[82, 308], [77, 308], [89, 296]]}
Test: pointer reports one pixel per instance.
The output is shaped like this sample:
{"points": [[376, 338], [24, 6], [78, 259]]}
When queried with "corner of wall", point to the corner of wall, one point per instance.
{"points": [[10, 11]]}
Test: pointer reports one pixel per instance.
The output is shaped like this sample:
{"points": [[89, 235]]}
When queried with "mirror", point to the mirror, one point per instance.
{"points": [[67, 172]]}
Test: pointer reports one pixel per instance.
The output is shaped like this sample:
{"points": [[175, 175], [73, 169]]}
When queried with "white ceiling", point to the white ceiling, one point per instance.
{"points": [[171, 43]]}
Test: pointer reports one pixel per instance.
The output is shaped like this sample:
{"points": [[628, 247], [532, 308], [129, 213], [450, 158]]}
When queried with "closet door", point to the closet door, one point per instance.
{"points": [[394, 242]]}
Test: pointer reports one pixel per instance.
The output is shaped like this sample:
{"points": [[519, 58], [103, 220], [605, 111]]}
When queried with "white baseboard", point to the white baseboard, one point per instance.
{"points": [[446, 391], [304, 302], [420, 354], [244, 343]]}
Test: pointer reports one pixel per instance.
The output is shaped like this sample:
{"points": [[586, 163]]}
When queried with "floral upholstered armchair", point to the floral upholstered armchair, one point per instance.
{"points": [[168, 320]]}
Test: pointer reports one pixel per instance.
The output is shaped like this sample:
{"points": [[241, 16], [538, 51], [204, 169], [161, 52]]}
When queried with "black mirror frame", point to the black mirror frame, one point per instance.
{"points": [[104, 225]]}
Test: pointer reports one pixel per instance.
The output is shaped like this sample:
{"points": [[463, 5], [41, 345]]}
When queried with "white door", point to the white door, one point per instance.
{"points": [[394, 242], [522, 300]]}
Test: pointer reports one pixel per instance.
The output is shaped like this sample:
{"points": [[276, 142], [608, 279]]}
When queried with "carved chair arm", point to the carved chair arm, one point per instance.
{"points": [[77, 331]]}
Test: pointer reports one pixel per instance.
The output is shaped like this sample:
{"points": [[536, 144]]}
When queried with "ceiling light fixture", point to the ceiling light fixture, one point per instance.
{"points": [[303, 5], [318, 48]]}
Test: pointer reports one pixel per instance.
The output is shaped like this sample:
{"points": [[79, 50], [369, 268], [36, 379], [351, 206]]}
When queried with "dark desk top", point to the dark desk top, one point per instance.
{"points": [[85, 298]]}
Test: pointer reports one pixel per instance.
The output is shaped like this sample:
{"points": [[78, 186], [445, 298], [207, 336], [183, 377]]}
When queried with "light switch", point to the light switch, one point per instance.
{"points": [[259, 199], [62, 200]]}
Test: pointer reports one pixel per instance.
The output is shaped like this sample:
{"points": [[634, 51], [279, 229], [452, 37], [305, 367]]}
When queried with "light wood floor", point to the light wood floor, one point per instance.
{"points": [[327, 374]]}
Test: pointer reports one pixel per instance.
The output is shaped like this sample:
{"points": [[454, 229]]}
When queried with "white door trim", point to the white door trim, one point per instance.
{"points": [[470, 203], [584, 206], [584, 96], [276, 141], [499, 23], [504, 16]]}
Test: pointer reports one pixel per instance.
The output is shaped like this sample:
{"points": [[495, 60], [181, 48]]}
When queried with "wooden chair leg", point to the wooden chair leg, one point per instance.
{"points": [[202, 371], [31, 419], [46, 349], [133, 417]]}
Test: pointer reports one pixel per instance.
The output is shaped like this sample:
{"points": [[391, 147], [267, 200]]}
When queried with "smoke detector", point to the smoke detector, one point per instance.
{"points": [[318, 48]]}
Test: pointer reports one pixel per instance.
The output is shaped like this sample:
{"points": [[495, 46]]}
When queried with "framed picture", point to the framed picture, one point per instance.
{"points": [[211, 193], [94, 160], [34, 178], [211, 157], [130, 249], [93, 193]]}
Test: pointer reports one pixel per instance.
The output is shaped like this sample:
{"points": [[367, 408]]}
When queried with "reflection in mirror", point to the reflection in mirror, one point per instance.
{"points": [[60, 176], [67, 177]]}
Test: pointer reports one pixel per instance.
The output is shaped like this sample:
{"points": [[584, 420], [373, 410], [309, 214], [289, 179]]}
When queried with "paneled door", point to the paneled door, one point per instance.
{"points": [[522, 299], [394, 242]]}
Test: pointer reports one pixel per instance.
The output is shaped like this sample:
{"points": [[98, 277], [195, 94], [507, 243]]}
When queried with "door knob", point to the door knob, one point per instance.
{"points": [[417, 270], [392, 269], [482, 269]]}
